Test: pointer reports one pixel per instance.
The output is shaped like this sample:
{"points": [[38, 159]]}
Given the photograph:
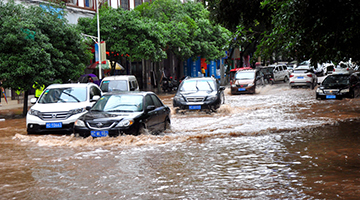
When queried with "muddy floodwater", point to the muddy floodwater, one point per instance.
{"points": [[279, 143]]}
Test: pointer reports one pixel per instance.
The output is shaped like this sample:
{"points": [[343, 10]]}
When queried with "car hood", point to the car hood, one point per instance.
{"points": [[198, 93], [335, 86], [108, 116], [59, 107], [244, 82]]}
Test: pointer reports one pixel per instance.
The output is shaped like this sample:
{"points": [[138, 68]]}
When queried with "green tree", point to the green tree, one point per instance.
{"points": [[126, 32], [323, 30], [187, 29], [246, 19], [38, 48]]}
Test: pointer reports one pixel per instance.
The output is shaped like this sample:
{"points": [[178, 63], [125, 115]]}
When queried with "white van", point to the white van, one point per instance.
{"points": [[119, 83]]}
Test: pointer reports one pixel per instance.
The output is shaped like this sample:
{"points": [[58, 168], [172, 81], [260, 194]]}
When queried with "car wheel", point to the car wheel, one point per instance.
{"points": [[286, 79], [141, 130], [167, 125]]}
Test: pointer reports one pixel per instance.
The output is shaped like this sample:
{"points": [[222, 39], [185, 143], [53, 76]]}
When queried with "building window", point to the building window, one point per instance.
{"points": [[137, 2], [73, 2], [147, 0], [124, 4], [89, 3]]}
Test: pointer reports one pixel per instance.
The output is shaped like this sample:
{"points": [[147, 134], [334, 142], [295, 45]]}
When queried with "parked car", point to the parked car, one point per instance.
{"points": [[328, 68], [280, 72], [203, 93], [116, 114], [119, 83], [59, 106], [303, 75], [246, 81], [343, 68], [338, 86]]}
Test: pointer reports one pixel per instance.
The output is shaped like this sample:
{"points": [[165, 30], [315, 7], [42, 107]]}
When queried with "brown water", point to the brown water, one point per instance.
{"points": [[276, 144]]}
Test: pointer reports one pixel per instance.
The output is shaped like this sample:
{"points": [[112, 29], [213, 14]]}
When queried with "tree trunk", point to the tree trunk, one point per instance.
{"points": [[25, 108]]}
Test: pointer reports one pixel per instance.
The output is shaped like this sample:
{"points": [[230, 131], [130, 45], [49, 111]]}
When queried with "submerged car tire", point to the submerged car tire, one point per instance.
{"points": [[167, 125], [286, 79], [141, 130]]}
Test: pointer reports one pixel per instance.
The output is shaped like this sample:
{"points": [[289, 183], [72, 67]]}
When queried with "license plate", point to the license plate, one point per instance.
{"points": [[241, 89], [331, 96], [54, 125], [194, 107], [99, 133], [300, 77]]}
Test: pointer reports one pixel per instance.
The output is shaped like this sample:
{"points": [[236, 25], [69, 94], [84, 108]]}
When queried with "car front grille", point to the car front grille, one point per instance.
{"points": [[195, 99], [242, 85], [54, 116], [100, 125]]}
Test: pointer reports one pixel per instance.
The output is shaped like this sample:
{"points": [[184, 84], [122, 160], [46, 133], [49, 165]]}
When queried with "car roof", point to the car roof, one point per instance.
{"points": [[142, 93], [119, 77], [66, 85], [200, 78], [249, 70]]}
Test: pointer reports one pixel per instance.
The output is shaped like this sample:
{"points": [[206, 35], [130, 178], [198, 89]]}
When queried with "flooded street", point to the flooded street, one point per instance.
{"points": [[279, 143]]}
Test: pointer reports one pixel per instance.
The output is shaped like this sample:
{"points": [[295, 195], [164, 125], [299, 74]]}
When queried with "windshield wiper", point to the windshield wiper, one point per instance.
{"points": [[119, 111], [72, 96], [210, 86]]}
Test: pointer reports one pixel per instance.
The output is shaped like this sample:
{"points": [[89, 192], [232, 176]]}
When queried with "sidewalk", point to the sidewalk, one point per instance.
{"points": [[14, 104]]}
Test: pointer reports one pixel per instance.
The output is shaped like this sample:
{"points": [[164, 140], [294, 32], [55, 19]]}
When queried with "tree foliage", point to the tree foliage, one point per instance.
{"points": [[322, 30], [151, 29], [38, 47], [246, 19]]}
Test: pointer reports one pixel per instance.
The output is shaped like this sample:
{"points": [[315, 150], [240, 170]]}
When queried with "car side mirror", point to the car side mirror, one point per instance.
{"points": [[88, 108], [33, 100], [221, 88], [95, 98], [150, 108]]}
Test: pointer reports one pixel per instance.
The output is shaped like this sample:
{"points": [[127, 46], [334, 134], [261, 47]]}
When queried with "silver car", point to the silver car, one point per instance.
{"points": [[303, 76]]}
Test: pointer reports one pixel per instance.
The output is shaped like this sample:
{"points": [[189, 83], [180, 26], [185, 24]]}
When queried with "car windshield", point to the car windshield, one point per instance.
{"points": [[245, 75], [64, 95], [306, 62], [336, 80], [196, 85], [119, 103], [114, 85]]}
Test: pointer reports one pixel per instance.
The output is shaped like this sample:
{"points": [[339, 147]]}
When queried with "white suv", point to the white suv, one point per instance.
{"points": [[280, 72], [59, 106]]}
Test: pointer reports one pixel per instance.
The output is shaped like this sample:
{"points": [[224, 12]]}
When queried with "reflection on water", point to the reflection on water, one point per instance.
{"points": [[276, 144]]}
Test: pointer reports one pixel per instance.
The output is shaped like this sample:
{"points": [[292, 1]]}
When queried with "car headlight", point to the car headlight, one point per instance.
{"points": [[179, 98], [211, 98], [34, 112], [318, 90], [233, 85], [125, 123], [345, 90], [76, 111], [79, 122], [251, 84]]}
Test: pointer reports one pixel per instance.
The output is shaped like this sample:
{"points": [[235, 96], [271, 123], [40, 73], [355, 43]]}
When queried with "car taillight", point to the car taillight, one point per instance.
{"points": [[334, 70], [291, 75], [309, 75], [347, 69]]}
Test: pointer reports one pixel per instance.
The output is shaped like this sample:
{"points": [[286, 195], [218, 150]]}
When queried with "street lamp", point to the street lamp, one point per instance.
{"points": [[99, 44]]}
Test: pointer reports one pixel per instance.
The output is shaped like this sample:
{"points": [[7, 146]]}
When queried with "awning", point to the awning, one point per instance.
{"points": [[105, 66]]}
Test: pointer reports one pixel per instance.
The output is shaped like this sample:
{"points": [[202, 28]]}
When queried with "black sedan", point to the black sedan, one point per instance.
{"points": [[339, 86], [203, 93], [124, 113]]}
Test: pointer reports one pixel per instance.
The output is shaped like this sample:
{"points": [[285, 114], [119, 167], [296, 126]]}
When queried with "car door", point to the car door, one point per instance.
{"points": [[160, 113], [277, 73], [150, 115]]}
